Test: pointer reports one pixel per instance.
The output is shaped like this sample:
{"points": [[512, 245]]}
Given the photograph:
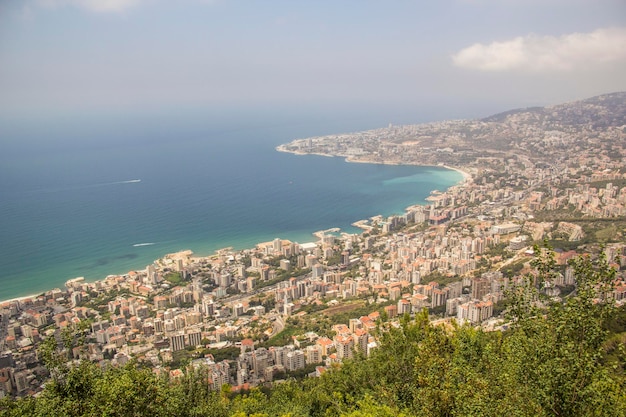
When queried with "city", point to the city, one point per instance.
{"points": [[287, 310]]}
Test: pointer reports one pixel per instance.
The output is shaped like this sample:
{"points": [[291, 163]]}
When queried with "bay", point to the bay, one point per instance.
{"points": [[106, 201]]}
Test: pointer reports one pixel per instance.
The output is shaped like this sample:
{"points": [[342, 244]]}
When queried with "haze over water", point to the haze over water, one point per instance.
{"points": [[108, 198]]}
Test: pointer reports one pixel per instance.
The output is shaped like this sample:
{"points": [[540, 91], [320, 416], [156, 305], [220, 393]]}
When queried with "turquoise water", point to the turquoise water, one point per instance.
{"points": [[93, 204]]}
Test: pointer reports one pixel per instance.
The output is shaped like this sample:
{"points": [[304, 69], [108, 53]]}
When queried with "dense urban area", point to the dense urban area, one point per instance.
{"points": [[543, 186]]}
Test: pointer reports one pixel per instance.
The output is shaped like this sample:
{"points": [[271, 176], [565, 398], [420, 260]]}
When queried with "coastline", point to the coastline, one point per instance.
{"points": [[466, 177], [25, 297]]}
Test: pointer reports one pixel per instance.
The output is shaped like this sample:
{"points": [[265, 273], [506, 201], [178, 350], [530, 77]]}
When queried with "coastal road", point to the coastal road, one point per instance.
{"points": [[278, 327], [4, 324]]}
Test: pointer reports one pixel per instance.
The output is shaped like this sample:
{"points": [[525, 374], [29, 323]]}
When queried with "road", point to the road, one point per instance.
{"points": [[278, 327]]}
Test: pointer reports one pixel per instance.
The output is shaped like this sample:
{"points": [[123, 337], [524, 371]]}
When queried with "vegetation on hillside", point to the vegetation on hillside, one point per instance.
{"points": [[552, 359]]}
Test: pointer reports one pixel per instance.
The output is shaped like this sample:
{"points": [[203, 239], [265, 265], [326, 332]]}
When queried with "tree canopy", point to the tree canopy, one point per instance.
{"points": [[552, 359]]}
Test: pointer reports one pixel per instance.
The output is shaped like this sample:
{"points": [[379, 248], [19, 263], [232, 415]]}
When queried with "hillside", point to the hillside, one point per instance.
{"points": [[543, 134], [565, 362], [503, 295]]}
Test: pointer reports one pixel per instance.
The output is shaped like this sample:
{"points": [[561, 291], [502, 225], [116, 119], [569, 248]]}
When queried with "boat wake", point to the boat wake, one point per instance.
{"points": [[137, 245], [82, 187]]}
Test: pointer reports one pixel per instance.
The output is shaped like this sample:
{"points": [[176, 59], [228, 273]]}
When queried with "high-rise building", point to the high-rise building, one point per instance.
{"points": [[208, 308], [285, 264], [480, 287], [361, 338], [277, 245], [344, 346], [194, 337], [177, 342], [158, 325], [295, 360], [313, 354]]}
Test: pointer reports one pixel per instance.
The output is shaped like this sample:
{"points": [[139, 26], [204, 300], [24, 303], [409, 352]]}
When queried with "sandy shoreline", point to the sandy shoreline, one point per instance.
{"points": [[26, 297], [350, 159], [466, 175]]}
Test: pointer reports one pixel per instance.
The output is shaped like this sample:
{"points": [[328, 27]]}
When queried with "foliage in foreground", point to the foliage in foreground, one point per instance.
{"points": [[554, 361]]}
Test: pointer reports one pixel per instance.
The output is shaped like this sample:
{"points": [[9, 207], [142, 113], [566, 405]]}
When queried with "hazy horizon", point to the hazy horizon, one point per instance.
{"points": [[405, 62]]}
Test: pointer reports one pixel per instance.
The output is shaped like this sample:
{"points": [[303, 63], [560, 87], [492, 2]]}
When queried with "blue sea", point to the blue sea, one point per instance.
{"points": [[100, 196]]}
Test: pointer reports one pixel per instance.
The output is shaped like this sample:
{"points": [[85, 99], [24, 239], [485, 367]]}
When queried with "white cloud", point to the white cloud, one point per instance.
{"points": [[534, 53], [106, 5], [97, 6]]}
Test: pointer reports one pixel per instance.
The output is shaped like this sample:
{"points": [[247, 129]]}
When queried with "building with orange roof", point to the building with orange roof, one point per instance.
{"points": [[364, 320], [361, 338], [619, 291], [375, 315], [344, 345], [10, 342], [341, 329], [326, 344], [319, 370], [392, 311], [403, 306], [247, 345]]}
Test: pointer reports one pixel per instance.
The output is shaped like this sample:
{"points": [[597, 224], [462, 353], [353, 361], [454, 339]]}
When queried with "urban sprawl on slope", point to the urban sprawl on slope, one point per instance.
{"points": [[286, 309]]}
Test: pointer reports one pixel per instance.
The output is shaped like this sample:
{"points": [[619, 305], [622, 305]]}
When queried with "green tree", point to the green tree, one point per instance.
{"points": [[558, 351], [557, 359]]}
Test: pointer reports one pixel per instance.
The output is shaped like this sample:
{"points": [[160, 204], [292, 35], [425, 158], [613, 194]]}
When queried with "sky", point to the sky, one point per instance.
{"points": [[444, 58]]}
